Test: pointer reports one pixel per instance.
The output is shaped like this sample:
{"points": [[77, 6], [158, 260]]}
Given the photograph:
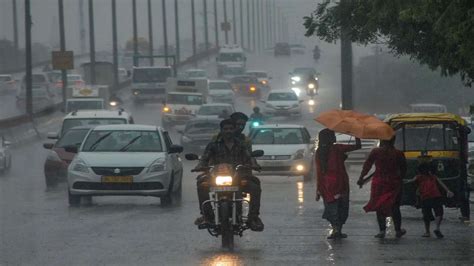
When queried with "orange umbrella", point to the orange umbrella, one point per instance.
{"points": [[356, 124]]}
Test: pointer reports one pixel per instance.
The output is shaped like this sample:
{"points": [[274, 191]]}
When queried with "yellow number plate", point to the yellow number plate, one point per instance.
{"points": [[117, 179]]}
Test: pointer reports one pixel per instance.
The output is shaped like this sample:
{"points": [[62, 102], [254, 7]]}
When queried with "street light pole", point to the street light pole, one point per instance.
{"points": [[193, 22], [216, 24], [15, 26], [150, 33], [206, 26], [248, 24], [62, 41], [114, 44], [226, 32], [259, 34], [234, 22], [165, 31], [176, 21], [135, 32], [92, 41], [241, 23], [254, 39], [29, 92]]}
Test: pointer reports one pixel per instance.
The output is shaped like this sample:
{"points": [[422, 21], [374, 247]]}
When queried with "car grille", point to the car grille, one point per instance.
{"points": [[275, 157], [124, 171], [152, 91], [117, 186], [276, 168]]}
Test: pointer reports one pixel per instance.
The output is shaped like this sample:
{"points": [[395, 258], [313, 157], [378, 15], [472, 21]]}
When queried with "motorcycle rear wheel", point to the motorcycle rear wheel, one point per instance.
{"points": [[226, 226]]}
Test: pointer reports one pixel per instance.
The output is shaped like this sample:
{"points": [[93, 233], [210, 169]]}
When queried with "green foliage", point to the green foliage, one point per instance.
{"points": [[437, 33]]}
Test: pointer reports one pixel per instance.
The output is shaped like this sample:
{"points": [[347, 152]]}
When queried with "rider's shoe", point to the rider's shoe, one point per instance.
{"points": [[255, 224], [202, 222]]}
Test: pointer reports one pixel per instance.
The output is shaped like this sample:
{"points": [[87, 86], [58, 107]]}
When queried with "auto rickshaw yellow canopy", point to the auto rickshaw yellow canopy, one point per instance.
{"points": [[425, 117]]}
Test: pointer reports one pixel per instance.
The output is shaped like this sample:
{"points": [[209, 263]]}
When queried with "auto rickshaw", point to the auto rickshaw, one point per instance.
{"points": [[440, 139]]}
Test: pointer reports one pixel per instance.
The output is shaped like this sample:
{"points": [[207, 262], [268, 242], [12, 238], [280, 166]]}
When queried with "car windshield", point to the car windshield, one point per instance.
{"points": [[202, 127], [258, 74], [75, 122], [231, 57], [279, 136], [304, 71], [244, 79], [220, 86], [151, 74], [196, 74], [233, 71], [214, 110], [5, 78], [84, 105], [283, 96], [427, 137], [123, 141], [72, 137], [184, 99]]}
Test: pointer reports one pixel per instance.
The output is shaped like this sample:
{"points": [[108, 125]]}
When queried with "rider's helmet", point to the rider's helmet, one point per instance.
{"points": [[256, 109]]}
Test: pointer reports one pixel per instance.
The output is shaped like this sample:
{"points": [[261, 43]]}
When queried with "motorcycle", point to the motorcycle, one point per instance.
{"points": [[312, 87], [226, 199]]}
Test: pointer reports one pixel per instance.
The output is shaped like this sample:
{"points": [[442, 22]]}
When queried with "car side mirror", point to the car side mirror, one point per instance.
{"points": [[71, 149], [191, 157], [175, 149], [48, 146], [258, 153], [53, 135]]}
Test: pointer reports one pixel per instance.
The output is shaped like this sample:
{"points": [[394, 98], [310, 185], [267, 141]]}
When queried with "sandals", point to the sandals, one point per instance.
{"points": [[438, 234]]}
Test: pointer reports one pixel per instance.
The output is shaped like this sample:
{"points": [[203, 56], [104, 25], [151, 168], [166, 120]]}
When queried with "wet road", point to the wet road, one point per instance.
{"points": [[38, 228]]}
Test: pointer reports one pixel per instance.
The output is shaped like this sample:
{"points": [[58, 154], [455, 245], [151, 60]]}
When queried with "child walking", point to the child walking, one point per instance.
{"points": [[431, 198]]}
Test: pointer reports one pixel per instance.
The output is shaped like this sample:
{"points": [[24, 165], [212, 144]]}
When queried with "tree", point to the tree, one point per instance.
{"points": [[437, 33]]}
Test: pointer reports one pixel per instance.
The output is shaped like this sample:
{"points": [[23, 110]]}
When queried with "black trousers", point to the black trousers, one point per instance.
{"points": [[250, 185], [396, 216]]}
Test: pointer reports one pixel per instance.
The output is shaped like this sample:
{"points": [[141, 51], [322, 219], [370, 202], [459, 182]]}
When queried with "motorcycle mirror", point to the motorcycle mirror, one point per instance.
{"points": [[258, 153], [191, 157]]}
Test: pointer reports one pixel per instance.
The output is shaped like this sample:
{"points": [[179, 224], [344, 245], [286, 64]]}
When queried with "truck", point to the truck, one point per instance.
{"points": [[87, 97], [149, 83], [231, 61], [183, 99]]}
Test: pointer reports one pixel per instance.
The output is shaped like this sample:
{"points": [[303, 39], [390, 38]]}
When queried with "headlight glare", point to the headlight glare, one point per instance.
{"points": [[311, 86], [225, 180], [296, 78]]}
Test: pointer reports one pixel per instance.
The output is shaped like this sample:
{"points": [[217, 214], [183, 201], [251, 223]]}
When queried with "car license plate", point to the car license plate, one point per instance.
{"points": [[117, 179], [224, 189]]}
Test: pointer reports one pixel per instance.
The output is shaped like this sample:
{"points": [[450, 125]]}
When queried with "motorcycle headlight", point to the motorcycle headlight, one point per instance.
{"points": [[225, 180], [166, 109], [296, 78], [264, 82], [255, 124], [113, 103], [157, 166], [293, 82], [80, 166], [136, 92], [316, 78], [311, 102], [311, 86]]}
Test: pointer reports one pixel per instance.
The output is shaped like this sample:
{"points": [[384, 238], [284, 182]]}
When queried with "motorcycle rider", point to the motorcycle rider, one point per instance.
{"points": [[256, 115], [228, 148]]}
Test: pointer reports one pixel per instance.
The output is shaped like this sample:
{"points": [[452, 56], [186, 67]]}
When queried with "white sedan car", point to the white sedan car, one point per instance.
{"points": [[125, 160], [220, 91], [288, 150], [5, 155], [282, 103]]}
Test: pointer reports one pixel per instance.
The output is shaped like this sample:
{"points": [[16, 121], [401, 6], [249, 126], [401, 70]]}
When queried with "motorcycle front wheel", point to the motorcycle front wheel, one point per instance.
{"points": [[226, 225]]}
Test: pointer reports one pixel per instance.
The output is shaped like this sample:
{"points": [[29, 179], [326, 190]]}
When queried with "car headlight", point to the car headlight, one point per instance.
{"points": [[299, 155], [166, 109], [311, 102], [225, 180], [296, 78], [157, 166], [316, 78], [52, 156], [297, 91], [136, 92], [264, 82], [113, 103], [80, 166], [311, 86]]}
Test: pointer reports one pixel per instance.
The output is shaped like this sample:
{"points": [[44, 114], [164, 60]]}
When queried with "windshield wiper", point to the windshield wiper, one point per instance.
{"points": [[124, 148], [94, 145]]}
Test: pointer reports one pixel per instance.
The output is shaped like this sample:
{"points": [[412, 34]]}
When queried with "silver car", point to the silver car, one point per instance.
{"points": [[357, 157], [288, 150], [5, 155], [125, 160]]}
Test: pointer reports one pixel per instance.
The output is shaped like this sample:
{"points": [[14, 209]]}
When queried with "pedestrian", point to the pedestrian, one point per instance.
{"points": [[385, 192], [332, 180], [431, 198]]}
